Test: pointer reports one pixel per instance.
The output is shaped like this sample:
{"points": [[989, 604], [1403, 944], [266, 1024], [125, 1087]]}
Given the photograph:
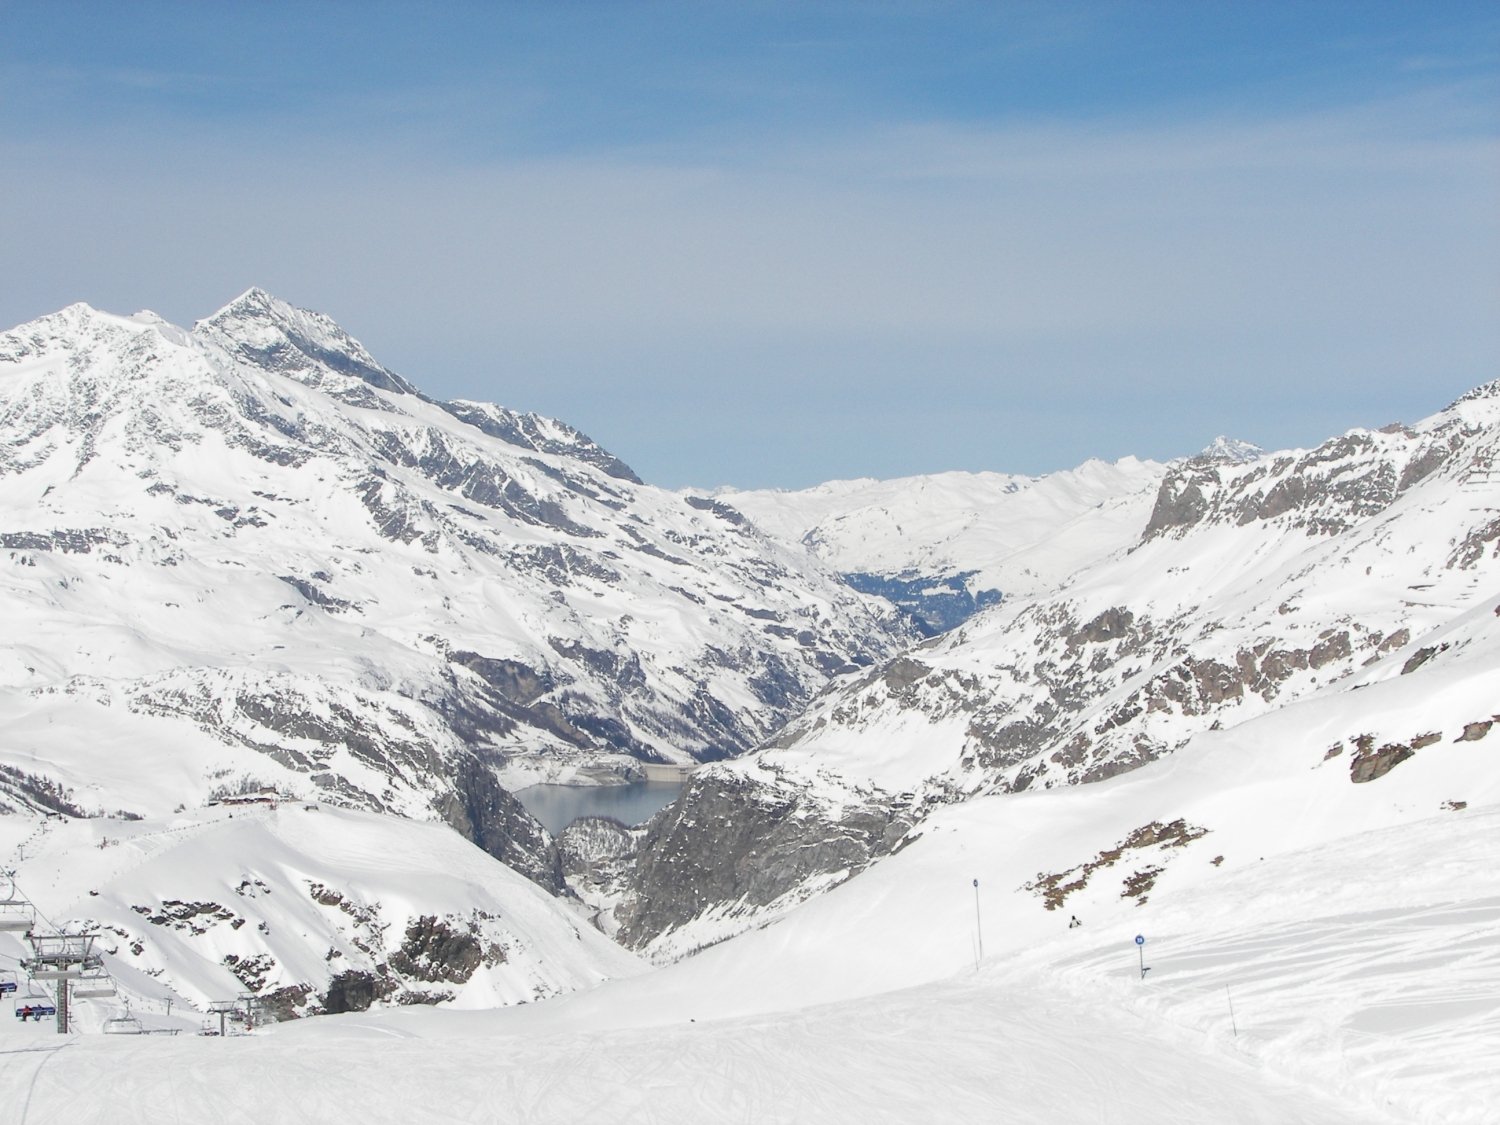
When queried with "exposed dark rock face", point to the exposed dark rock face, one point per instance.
{"points": [[435, 951], [514, 680], [724, 511], [1180, 501], [1324, 492], [1111, 625], [1371, 763], [353, 991], [1421, 657], [68, 541], [735, 843], [196, 918], [281, 1004], [251, 971], [490, 816]]}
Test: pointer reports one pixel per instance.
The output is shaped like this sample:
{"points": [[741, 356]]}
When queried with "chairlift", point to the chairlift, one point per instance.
{"points": [[17, 915], [35, 1012], [62, 956], [124, 1025], [8, 984], [93, 985]]}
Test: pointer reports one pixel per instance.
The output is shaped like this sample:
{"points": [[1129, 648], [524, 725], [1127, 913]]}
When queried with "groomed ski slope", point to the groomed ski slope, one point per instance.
{"points": [[965, 1050]]}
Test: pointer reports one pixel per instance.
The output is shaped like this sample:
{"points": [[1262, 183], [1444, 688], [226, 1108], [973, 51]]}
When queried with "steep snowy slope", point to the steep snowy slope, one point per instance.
{"points": [[1252, 585], [956, 536], [307, 907], [249, 555]]}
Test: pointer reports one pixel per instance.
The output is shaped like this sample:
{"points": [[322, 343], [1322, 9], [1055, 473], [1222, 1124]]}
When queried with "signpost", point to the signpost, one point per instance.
{"points": [[1140, 948]]}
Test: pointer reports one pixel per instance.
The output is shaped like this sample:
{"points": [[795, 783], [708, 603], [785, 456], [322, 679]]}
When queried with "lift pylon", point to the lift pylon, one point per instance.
{"points": [[63, 958]]}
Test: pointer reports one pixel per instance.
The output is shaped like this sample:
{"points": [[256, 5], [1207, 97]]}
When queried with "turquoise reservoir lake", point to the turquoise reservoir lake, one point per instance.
{"points": [[558, 806]]}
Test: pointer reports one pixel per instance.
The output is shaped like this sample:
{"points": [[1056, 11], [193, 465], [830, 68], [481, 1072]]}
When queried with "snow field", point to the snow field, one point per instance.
{"points": [[961, 1051]]}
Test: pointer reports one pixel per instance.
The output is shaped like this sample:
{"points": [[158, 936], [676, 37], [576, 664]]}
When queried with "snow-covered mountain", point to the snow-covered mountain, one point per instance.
{"points": [[944, 546], [246, 554], [1249, 586], [1232, 450], [309, 908]]}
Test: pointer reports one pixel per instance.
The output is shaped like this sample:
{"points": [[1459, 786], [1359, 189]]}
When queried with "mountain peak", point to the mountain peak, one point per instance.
{"points": [[308, 346], [253, 298], [1228, 449]]}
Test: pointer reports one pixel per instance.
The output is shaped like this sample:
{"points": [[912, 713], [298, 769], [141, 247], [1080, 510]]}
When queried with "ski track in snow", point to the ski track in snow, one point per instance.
{"points": [[994, 1050], [1400, 1005]]}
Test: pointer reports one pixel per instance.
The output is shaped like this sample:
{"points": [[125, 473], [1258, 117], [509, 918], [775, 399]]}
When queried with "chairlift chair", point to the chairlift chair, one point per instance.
{"points": [[8, 986], [94, 984], [17, 915], [123, 1025]]}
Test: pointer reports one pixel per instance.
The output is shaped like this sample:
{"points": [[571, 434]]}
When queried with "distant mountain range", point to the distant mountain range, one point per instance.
{"points": [[1247, 583], [245, 556]]}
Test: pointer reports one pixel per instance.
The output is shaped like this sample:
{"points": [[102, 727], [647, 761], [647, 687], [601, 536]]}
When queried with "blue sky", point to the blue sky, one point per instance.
{"points": [[778, 243]]}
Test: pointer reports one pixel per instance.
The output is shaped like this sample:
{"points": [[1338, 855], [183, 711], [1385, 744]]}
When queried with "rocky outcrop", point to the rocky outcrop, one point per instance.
{"points": [[735, 845], [435, 951], [1152, 840], [481, 809], [353, 991], [1323, 492]]}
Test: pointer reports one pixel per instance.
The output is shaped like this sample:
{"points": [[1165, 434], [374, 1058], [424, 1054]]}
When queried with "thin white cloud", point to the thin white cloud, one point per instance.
{"points": [[1034, 267]]}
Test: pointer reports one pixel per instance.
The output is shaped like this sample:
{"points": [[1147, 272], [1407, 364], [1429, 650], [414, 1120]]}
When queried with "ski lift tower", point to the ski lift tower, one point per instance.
{"points": [[63, 958], [224, 1009]]}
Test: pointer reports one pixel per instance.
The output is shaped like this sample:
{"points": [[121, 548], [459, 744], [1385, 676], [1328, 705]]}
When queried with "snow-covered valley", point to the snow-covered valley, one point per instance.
{"points": [[283, 635]]}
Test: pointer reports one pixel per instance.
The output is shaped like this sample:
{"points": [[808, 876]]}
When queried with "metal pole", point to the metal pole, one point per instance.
{"points": [[978, 924], [1232, 1022], [62, 1006]]}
